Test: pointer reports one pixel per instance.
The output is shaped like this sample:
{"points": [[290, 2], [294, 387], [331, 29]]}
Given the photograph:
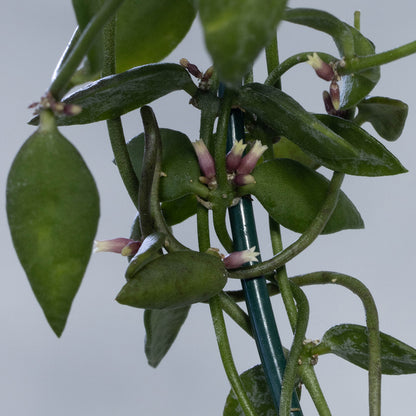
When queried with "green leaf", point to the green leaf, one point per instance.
{"points": [[350, 43], [285, 149], [236, 31], [178, 210], [175, 280], [293, 194], [162, 328], [53, 211], [115, 95], [179, 164], [146, 30], [255, 385], [289, 119], [350, 342], [333, 142], [388, 116], [375, 159]]}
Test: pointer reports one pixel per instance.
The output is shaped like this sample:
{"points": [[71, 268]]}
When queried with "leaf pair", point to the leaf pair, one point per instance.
{"points": [[53, 211]]}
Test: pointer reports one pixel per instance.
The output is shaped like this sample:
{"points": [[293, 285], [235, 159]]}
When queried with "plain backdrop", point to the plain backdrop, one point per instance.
{"points": [[98, 366]]}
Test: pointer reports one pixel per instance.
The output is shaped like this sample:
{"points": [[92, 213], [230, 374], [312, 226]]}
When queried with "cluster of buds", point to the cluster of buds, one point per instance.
{"points": [[58, 107], [238, 167], [327, 72], [123, 246], [204, 78]]}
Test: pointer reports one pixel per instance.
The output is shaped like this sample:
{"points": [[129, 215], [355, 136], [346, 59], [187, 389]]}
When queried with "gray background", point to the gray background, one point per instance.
{"points": [[98, 367]]}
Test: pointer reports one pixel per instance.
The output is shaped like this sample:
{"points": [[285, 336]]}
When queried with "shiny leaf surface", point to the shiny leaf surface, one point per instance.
{"points": [[175, 280], [349, 342], [178, 210], [115, 95], [387, 116], [51, 197], [162, 328], [293, 194], [236, 31]]}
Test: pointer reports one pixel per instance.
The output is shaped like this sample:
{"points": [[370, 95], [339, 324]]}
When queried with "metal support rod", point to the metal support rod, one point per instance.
{"points": [[257, 298]]}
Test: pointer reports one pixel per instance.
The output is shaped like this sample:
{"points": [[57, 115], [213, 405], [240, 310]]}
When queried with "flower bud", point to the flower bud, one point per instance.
{"points": [[235, 155], [249, 161], [334, 93], [191, 68], [123, 246], [245, 179], [206, 161], [238, 258], [322, 69]]}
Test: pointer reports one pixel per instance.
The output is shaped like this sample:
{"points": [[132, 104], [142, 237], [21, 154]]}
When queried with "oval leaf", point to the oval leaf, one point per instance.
{"points": [[162, 328], [236, 31], [293, 194], [146, 30], [175, 280], [255, 385], [350, 43], [387, 116], [375, 159], [115, 95], [179, 164], [178, 210], [53, 210], [350, 342]]}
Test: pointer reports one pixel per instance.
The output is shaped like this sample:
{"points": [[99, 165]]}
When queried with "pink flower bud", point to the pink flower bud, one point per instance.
{"points": [[192, 69], [249, 161], [334, 93], [238, 258], [322, 69], [206, 161], [123, 246], [246, 179], [235, 155]]}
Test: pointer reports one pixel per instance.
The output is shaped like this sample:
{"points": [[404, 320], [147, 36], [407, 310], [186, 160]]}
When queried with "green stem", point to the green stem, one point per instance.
{"points": [[304, 240], [218, 216], [292, 361], [361, 63], [311, 382], [236, 313], [281, 274], [275, 75], [357, 287], [227, 358], [57, 88], [203, 228], [272, 59], [151, 217]]}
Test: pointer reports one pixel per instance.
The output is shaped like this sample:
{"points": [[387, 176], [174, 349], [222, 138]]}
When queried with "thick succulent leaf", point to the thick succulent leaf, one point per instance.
{"points": [[289, 119], [146, 30], [350, 42], [53, 211], [162, 328], [375, 159], [285, 149], [178, 210], [387, 115], [115, 95], [236, 31], [255, 385], [179, 164], [349, 341], [293, 194], [333, 142], [175, 280]]}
